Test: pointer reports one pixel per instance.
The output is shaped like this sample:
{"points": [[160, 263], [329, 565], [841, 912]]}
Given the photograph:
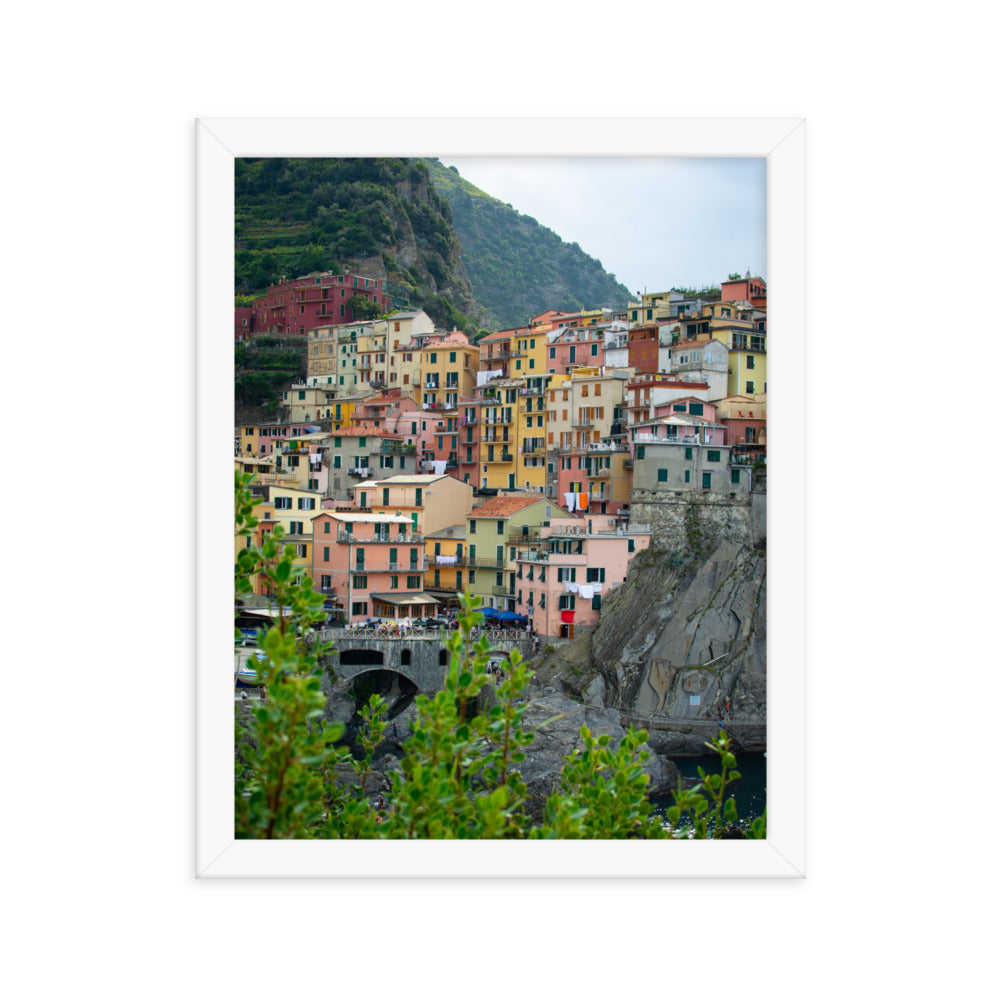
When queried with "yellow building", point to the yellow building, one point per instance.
{"points": [[529, 352], [448, 369], [494, 529], [431, 502], [404, 370], [446, 575], [582, 408], [294, 510]]}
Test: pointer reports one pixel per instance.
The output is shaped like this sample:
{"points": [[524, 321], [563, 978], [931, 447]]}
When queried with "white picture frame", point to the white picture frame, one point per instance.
{"points": [[782, 142]]}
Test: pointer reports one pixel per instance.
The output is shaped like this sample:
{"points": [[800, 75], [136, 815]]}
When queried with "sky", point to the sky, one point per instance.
{"points": [[652, 222]]}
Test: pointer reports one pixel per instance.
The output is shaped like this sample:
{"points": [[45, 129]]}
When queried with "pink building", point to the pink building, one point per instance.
{"points": [[370, 565], [563, 576], [574, 347]]}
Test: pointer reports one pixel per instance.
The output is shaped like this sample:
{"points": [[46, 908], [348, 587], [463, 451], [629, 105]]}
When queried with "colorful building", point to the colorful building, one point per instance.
{"points": [[566, 570], [431, 502], [369, 564], [493, 532], [292, 308], [445, 576]]}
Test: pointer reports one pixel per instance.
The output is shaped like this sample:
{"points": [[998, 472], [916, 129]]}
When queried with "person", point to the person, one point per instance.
{"points": [[395, 731]]}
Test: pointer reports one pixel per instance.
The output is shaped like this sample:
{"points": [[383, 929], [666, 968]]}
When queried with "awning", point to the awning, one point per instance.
{"points": [[400, 600]]}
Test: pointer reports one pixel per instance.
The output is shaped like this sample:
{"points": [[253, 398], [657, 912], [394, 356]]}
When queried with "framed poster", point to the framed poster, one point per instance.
{"points": [[781, 142]]}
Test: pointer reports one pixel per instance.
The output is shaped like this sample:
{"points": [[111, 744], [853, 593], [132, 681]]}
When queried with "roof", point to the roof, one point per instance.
{"points": [[500, 507], [499, 335], [415, 480], [339, 515], [363, 432], [679, 418], [456, 531], [400, 599]]}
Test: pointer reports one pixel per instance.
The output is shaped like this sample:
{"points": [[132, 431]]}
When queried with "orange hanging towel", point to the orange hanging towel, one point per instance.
{"points": [[582, 500]]}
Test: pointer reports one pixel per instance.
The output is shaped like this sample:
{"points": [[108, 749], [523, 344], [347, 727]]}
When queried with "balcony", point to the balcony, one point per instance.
{"points": [[628, 463], [582, 422], [482, 562], [398, 448], [499, 590], [516, 535], [410, 538]]}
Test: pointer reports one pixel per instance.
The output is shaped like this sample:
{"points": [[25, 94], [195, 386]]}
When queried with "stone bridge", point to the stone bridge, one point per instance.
{"points": [[421, 656]]}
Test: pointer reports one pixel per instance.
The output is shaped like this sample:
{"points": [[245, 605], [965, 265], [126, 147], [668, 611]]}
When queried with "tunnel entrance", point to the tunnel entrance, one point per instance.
{"points": [[397, 690]]}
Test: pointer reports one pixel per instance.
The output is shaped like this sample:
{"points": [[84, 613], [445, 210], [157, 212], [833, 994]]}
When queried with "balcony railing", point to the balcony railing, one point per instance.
{"points": [[483, 562], [516, 536], [501, 590], [582, 422], [411, 538]]}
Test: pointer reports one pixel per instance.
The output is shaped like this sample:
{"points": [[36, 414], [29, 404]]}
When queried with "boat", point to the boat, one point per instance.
{"points": [[246, 676]]}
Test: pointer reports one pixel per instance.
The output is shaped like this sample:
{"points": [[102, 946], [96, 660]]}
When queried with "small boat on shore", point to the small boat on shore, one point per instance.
{"points": [[245, 675]]}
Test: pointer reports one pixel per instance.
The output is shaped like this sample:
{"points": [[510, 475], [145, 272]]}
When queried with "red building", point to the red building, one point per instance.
{"points": [[752, 290], [317, 299], [644, 348], [244, 322]]}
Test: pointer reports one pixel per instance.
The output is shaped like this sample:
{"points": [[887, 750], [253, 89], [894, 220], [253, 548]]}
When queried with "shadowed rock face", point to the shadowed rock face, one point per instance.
{"points": [[682, 648]]}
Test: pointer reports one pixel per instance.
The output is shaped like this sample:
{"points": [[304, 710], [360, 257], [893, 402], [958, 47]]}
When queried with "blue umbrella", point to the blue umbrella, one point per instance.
{"points": [[489, 612], [510, 616]]}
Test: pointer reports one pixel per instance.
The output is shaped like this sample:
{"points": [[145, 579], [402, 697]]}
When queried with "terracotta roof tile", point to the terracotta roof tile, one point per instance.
{"points": [[500, 507]]}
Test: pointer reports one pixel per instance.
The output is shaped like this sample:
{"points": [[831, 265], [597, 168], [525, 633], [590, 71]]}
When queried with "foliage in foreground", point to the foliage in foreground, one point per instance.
{"points": [[459, 776]]}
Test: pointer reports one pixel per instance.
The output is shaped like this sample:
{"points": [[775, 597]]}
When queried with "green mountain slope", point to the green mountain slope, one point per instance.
{"points": [[517, 267], [378, 217]]}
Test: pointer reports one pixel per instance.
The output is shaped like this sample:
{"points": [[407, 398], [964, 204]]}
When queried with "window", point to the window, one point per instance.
{"points": [[393, 582], [413, 583], [472, 527], [326, 553], [661, 475], [451, 357], [360, 582], [434, 359], [358, 607], [295, 528], [499, 527], [282, 503], [640, 451], [689, 452], [750, 388], [734, 477], [687, 475], [326, 527], [749, 361], [697, 409], [714, 456]]}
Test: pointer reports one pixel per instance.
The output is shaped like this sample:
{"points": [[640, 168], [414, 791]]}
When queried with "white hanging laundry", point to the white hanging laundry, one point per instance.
{"points": [[439, 468], [446, 560], [570, 501], [586, 590], [572, 588], [598, 587]]}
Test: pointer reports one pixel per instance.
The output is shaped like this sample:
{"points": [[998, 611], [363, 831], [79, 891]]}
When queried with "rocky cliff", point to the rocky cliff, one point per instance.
{"points": [[680, 646]]}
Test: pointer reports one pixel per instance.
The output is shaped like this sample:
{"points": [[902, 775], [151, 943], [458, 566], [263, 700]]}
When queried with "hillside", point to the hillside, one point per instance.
{"points": [[378, 217], [517, 267]]}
